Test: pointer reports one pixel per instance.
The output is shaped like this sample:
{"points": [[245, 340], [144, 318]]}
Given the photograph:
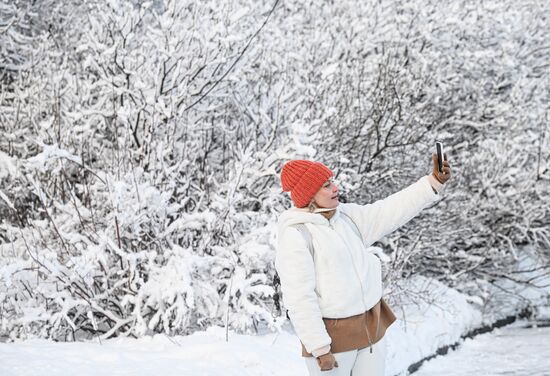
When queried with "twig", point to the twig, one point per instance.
{"points": [[234, 63]]}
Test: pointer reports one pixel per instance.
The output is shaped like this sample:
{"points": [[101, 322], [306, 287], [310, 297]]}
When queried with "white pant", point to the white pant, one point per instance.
{"points": [[355, 362]]}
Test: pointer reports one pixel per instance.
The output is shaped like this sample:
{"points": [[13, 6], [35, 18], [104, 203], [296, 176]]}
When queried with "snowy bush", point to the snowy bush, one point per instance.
{"points": [[142, 141]]}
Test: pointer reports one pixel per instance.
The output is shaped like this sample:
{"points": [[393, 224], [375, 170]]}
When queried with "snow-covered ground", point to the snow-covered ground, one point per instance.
{"points": [[511, 350], [203, 353]]}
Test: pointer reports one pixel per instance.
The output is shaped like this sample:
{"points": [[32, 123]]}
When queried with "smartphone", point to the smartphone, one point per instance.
{"points": [[439, 149]]}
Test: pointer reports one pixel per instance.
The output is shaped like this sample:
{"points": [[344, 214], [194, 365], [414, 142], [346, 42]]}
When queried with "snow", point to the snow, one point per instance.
{"points": [[203, 353], [512, 350], [6, 200], [7, 165], [423, 328], [49, 154]]}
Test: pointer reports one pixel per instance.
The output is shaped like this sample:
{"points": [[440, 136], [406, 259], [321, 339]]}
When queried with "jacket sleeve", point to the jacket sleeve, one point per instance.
{"points": [[382, 217], [294, 263]]}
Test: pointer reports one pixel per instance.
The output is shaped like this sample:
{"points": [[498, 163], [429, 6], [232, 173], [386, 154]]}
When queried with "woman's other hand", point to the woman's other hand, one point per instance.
{"points": [[445, 175], [327, 362]]}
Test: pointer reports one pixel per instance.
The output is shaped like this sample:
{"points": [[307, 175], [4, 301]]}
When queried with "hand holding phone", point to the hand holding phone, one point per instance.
{"points": [[439, 150], [441, 168]]}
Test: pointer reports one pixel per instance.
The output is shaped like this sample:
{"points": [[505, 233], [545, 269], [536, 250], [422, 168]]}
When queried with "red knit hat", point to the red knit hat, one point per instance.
{"points": [[303, 179]]}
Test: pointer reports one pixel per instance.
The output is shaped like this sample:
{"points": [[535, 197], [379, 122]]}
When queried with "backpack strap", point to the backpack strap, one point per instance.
{"points": [[355, 227], [306, 234]]}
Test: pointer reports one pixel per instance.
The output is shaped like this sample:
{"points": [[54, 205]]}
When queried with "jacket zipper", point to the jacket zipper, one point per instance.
{"points": [[362, 292]]}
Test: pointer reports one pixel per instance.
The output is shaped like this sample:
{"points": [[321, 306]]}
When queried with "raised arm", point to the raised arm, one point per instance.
{"points": [[382, 217]]}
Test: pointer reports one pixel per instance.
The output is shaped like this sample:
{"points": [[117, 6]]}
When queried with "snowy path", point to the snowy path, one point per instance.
{"points": [[513, 350], [201, 354]]}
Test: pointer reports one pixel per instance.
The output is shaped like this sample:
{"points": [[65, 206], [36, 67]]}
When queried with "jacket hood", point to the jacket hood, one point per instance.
{"points": [[296, 215]]}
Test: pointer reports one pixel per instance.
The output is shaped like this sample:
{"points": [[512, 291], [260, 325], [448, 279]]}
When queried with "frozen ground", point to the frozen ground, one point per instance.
{"points": [[512, 350], [200, 354]]}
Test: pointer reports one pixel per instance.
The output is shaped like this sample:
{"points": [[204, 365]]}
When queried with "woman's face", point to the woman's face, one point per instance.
{"points": [[327, 196]]}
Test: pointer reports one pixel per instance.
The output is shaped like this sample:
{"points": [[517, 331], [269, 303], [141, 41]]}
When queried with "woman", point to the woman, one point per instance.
{"points": [[331, 285]]}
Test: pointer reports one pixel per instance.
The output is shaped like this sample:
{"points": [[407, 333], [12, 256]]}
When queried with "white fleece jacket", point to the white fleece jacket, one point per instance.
{"points": [[343, 278]]}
